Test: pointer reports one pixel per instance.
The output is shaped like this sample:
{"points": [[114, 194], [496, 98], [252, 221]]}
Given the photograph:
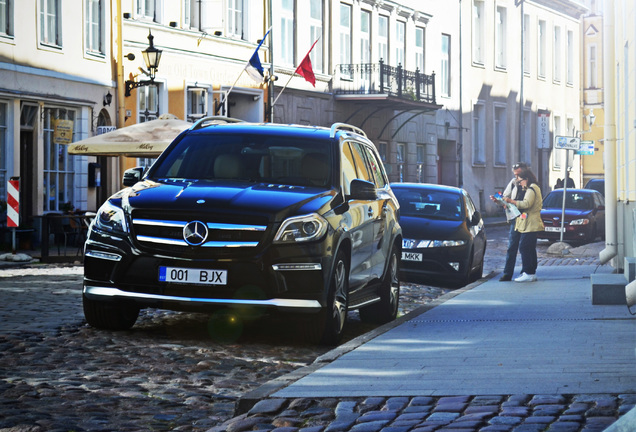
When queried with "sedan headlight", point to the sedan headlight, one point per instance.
{"points": [[111, 218], [580, 222], [423, 244], [301, 229]]}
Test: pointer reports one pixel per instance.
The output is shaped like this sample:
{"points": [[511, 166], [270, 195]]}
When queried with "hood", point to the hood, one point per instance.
{"points": [[276, 202], [430, 229], [570, 214]]}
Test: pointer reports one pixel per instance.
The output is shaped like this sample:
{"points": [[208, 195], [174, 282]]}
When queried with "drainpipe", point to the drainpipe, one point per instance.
{"points": [[609, 156]]}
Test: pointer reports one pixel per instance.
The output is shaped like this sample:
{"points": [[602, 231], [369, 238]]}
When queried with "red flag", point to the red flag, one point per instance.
{"points": [[305, 70]]}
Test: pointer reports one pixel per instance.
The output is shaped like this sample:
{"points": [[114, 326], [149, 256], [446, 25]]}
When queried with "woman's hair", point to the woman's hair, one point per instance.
{"points": [[526, 174]]}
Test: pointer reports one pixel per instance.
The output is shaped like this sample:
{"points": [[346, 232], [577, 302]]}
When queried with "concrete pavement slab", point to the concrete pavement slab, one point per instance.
{"points": [[499, 338]]}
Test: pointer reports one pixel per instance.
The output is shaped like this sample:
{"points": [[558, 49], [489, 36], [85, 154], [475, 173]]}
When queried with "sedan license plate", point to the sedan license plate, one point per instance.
{"points": [[411, 256], [553, 229], [192, 276]]}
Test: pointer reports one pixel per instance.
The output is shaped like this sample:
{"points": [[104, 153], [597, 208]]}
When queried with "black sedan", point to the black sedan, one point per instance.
{"points": [[444, 238], [584, 219]]}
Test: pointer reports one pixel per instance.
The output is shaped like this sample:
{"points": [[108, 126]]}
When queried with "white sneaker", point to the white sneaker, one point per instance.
{"points": [[526, 278]]}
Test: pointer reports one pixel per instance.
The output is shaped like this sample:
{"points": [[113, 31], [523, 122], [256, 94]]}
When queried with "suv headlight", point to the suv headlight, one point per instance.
{"points": [[111, 218], [301, 229]]}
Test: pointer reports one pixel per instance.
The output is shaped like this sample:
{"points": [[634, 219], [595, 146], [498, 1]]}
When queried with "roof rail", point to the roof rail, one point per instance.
{"points": [[214, 120], [347, 127]]}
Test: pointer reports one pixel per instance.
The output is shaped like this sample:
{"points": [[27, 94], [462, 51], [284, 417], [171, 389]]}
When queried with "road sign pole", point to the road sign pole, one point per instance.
{"points": [[565, 189]]}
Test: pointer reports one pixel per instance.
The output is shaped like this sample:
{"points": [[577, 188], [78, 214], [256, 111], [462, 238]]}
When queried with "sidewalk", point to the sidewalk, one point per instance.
{"points": [[496, 338], [534, 345]]}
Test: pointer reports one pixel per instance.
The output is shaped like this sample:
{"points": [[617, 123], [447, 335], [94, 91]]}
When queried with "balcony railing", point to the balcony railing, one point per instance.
{"points": [[382, 79]]}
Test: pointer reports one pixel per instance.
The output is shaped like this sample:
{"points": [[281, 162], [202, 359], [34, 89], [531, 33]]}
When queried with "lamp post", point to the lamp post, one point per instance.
{"points": [[152, 56]]}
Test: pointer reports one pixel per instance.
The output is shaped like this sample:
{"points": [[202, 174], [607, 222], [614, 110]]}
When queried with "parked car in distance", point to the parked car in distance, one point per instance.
{"points": [[584, 218], [250, 218], [444, 237], [596, 184]]}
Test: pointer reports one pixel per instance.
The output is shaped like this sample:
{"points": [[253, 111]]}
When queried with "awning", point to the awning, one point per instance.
{"points": [[146, 139]]}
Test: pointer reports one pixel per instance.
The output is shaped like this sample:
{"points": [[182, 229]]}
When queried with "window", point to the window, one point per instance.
{"points": [[478, 31], [382, 149], [500, 130], [197, 103], [94, 27], [345, 34], [419, 49], [500, 38], [541, 40], [401, 160], [557, 154], [478, 135], [59, 170], [383, 38], [592, 75], [557, 54], [3, 150], [570, 58], [365, 37], [445, 67], [147, 9], [284, 37], [148, 103], [524, 148], [421, 152], [315, 33], [50, 22], [6, 17], [235, 18], [526, 44], [399, 43]]}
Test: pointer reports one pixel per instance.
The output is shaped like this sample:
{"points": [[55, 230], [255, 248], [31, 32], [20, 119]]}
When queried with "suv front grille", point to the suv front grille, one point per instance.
{"points": [[168, 235]]}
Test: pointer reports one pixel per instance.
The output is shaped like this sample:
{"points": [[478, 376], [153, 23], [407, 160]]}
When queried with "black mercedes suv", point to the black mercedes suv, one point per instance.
{"points": [[250, 217]]}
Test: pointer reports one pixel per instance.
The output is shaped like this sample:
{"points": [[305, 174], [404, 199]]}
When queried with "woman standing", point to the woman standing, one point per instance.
{"points": [[528, 224]]}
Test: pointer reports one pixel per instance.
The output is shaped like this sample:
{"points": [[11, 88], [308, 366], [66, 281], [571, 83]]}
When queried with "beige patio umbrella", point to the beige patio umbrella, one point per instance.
{"points": [[146, 139]]}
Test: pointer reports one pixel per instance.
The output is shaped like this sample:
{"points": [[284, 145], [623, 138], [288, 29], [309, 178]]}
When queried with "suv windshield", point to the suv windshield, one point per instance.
{"points": [[249, 158]]}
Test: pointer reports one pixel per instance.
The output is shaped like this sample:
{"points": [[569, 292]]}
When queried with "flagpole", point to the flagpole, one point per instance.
{"points": [[283, 89], [216, 110]]}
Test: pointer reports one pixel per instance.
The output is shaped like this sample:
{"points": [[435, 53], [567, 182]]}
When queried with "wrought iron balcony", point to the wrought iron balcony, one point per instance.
{"points": [[381, 79]]}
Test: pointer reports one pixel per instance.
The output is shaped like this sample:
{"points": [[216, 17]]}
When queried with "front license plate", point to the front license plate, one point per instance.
{"points": [[193, 276], [411, 256], [553, 229]]}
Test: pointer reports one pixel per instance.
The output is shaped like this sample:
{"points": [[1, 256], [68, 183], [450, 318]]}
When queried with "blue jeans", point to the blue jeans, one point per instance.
{"points": [[528, 250], [513, 246]]}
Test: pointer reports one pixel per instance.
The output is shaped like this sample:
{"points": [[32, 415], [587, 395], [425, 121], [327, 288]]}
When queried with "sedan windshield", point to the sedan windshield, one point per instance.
{"points": [[249, 158], [573, 200], [429, 204]]}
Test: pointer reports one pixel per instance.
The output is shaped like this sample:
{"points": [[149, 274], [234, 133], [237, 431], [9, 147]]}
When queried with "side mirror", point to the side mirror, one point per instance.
{"points": [[132, 176], [476, 218], [363, 190]]}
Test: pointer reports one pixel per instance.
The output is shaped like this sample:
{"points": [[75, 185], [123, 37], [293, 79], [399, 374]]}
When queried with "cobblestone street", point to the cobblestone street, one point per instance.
{"points": [[174, 371]]}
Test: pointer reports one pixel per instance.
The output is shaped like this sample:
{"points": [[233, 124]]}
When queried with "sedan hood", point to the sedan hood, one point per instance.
{"points": [[570, 214], [429, 229], [274, 201]]}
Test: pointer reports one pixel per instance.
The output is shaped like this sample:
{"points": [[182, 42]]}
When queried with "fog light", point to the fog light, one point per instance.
{"points": [[454, 265]]}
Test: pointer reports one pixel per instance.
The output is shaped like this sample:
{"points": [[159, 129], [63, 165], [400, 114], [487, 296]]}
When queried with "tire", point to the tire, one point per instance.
{"points": [[110, 315], [328, 327], [387, 308]]}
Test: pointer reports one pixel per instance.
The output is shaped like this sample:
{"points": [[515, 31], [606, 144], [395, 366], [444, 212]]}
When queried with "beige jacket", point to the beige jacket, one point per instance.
{"points": [[530, 208]]}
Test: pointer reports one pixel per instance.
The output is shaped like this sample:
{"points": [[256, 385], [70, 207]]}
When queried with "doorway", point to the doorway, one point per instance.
{"points": [[447, 162]]}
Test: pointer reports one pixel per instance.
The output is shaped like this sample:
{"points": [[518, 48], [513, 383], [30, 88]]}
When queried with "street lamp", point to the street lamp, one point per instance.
{"points": [[152, 56]]}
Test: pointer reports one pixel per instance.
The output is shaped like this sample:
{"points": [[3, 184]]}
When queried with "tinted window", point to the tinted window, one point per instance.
{"points": [[253, 158], [427, 203], [573, 200]]}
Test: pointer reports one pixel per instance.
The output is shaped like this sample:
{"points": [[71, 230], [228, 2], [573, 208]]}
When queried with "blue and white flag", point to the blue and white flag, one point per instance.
{"points": [[254, 68]]}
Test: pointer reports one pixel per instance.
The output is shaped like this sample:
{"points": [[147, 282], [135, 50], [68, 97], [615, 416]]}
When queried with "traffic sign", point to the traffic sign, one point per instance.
{"points": [[566, 142], [587, 148]]}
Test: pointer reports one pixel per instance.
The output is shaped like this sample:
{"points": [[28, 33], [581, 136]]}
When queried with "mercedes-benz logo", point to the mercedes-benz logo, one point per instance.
{"points": [[195, 233]]}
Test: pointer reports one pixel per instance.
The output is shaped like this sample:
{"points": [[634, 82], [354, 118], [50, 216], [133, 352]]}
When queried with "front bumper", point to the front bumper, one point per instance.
{"points": [[287, 277]]}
